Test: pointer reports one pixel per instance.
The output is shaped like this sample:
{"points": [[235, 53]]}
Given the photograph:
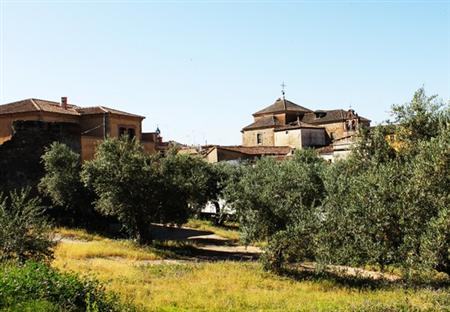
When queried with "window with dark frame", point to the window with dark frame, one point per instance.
{"points": [[131, 133], [128, 132], [258, 138]]}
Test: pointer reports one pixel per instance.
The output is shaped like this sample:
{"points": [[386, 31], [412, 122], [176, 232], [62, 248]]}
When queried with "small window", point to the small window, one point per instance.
{"points": [[131, 133], [259, 138], [122, 131]]}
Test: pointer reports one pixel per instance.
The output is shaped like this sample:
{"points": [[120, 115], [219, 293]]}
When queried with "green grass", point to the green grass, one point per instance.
{"points": [[38, 287], [33, 306], [238, 286]]}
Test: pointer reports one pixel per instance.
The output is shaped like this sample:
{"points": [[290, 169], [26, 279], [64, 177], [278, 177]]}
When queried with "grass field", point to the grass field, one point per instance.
{"points": [[146, 277], [229, 230]]}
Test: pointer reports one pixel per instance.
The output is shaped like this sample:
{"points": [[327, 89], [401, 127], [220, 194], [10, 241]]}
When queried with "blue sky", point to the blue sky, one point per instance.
{"points": [[200, 69]]}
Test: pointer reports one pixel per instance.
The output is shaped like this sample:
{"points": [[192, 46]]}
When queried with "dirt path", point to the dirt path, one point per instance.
{"points": [[207, 246]]}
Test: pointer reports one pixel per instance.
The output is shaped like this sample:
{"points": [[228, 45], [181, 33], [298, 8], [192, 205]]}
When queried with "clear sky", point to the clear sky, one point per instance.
{"points": [[200, 69]]}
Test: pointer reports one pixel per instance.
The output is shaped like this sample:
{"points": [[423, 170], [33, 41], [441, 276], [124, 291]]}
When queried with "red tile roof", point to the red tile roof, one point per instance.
{"points": [[281, 106], [36, 105], [263, 122], [334, 115], [258, 150], [103, 109]]}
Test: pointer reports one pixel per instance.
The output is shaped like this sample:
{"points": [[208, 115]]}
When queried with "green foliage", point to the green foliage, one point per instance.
{"points": [[195, 181], [419, 119], [279, 201], [24, 230], [371, 149], [127, 185], [62, 184], [391, 208], [378, 207], [140, 189], [37, 287], [62, 181], [363, 215]]}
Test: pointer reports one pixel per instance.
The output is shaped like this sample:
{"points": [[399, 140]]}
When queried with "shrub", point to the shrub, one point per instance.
{"points": [[127, 185], [391, 208], [38, 286], [195, 181], [279, 202], [62, 184], [24, 230], [140, 189]]}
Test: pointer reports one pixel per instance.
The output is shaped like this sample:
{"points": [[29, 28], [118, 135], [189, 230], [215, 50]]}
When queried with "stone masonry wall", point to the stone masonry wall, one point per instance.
{"points": [[20, 157]]}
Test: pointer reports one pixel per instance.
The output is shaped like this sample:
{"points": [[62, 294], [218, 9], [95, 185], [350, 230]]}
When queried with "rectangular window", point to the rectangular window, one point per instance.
{"points": [[258, 138], [128, 132], [131, 133]]}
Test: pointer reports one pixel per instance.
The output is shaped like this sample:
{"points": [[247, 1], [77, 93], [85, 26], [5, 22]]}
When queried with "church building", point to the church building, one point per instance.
{"points": [[285, 123]]}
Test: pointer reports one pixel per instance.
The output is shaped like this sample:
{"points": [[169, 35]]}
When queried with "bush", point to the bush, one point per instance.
{"points": [[37, 287], [279, 202], [73, 202], [382, 206], [127, 185], [392, 208], [193, 180], [140, 189], [24, 231]]}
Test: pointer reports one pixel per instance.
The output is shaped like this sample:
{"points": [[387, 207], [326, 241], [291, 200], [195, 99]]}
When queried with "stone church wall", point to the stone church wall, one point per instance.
{"points": [[249, 137]]}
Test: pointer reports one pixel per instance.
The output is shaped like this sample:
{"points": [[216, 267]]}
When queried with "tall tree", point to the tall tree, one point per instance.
{"points": [[127, 185]]}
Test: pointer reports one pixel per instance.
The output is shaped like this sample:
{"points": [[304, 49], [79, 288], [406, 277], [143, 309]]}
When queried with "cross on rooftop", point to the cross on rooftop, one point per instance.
{"points": [[282, 89]]}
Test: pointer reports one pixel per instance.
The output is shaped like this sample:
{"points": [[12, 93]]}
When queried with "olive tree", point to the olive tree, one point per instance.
{"points": [[62, 184], [127, 185], [279, 202]]}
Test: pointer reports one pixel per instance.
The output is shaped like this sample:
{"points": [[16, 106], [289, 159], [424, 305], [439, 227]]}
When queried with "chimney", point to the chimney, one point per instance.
{"points": [[64, 102]]}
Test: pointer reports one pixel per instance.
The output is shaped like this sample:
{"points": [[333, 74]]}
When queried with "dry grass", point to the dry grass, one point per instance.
{"points": [[229, 286], [79, 245], [228, 231]]}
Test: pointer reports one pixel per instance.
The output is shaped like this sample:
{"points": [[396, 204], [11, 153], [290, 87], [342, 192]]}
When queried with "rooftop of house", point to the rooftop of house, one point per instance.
{"points": [[256, 150], [282, 106], [306, 118], [264, 122], [325, 116], [38, 105]]}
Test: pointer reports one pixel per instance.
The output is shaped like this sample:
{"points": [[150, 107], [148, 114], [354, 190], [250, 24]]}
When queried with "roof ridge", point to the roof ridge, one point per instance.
{"points": [[35, 104], [48, 101]]}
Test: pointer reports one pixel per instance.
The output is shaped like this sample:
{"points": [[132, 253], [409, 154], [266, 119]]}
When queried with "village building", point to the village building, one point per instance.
{"points": [[286, 124], [94, 123], [282, 127], [216, 153]]}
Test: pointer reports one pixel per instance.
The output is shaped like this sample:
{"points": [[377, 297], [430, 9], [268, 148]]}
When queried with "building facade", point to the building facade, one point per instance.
{"points": [[95, 123], [287, 124]]}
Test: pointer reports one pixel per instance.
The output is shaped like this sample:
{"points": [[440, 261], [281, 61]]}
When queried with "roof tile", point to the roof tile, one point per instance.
{"points": [[282, 105]]}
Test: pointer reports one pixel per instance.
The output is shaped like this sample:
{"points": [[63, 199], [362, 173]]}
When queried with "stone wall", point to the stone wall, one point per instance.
{"points": [[20, 157], [292, 138], [249, 137]]}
